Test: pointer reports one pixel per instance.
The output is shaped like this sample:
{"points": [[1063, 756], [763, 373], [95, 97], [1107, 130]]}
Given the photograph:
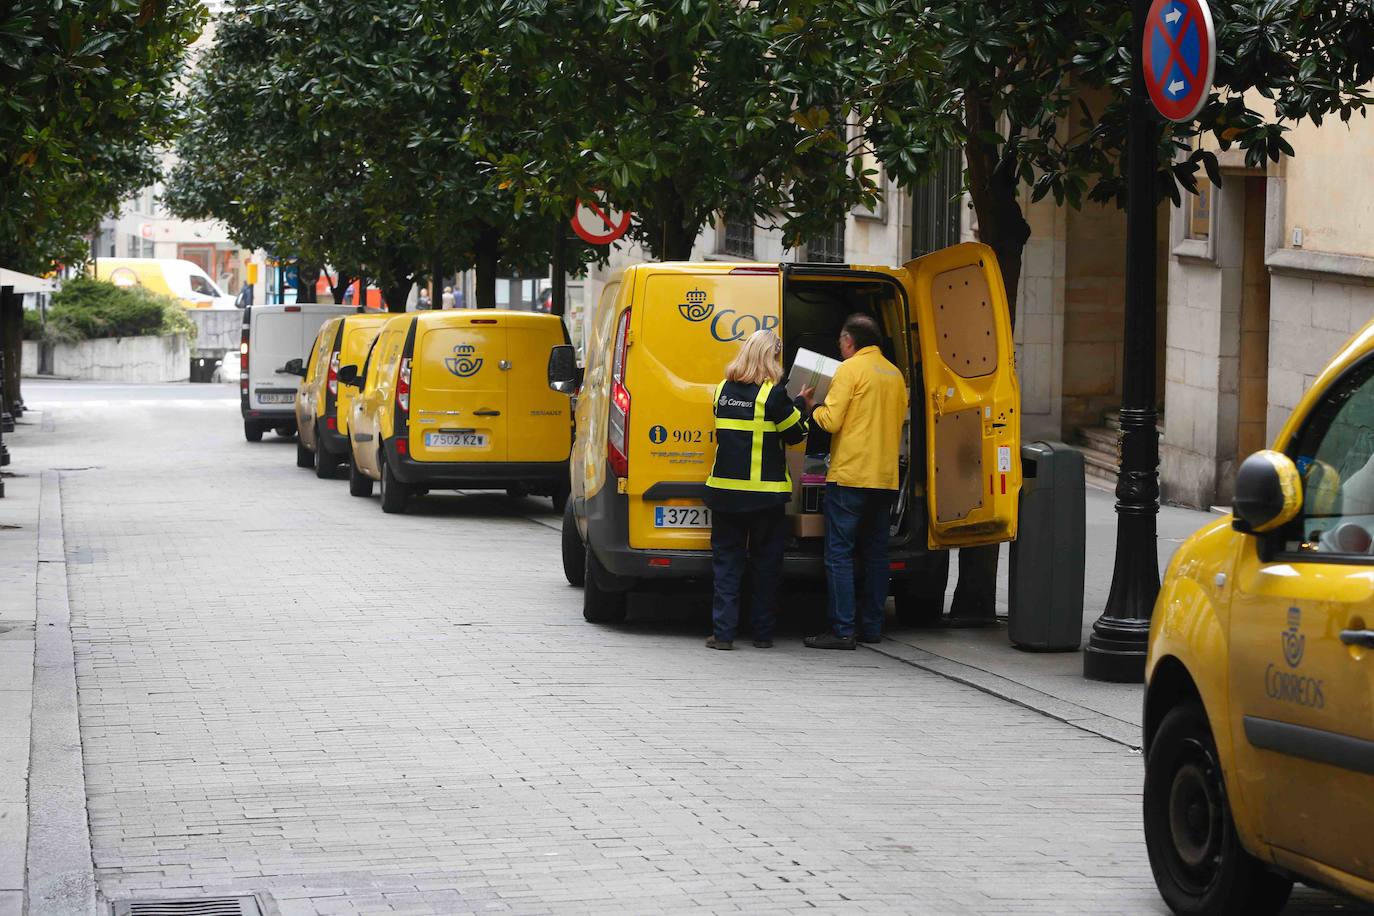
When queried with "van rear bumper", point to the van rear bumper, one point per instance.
{"points": [[477, 475], [271, 417]]}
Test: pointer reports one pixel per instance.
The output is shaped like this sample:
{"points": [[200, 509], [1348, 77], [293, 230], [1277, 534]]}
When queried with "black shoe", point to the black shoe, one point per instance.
{"points": [[871, 639], [829, 641], [763, 644], [713, 643]]}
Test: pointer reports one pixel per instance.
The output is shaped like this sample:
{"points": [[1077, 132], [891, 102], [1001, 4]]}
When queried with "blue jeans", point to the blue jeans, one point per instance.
{"points": [[752, 541], [857, 522]]}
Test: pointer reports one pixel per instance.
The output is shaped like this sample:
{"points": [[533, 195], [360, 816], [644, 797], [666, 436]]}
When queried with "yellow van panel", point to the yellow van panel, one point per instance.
{"points": [[457, 384], [540, 418], [359, 332], [685, 329]]}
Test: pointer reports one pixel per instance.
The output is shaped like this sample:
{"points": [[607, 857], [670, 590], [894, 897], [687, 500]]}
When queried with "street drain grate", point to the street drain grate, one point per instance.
{"points": [[204, 906]]}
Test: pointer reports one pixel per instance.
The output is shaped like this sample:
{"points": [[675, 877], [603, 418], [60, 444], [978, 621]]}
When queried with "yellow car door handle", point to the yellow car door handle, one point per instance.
{"points": [[486, 413], [1358, 638]]}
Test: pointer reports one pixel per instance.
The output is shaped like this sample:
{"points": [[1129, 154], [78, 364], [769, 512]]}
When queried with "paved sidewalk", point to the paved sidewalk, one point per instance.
{"points": [[1052, 682], [18, 569]]}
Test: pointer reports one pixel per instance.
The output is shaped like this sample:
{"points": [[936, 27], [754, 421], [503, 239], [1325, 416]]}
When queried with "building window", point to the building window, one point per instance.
{"points": [[935, 204], [737, 238], [827, 248]]}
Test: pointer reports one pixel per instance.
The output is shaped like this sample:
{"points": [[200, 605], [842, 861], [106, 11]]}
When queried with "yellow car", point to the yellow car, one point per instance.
{"points": [[322, 407], [459, 399], [657, 343], [1259, 705]]}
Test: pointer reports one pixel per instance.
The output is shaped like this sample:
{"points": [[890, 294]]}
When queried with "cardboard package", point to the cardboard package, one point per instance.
{"points": [[810, 369], [808, 525]]}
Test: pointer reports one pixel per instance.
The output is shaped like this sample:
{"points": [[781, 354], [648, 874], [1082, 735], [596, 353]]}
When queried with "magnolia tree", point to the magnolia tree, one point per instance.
{"points": [[85, 99]]}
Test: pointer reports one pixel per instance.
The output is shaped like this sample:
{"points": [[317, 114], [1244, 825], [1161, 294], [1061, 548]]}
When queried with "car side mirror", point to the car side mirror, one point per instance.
{"points": [[294, 367], [348, 375], [564, 376], [1268, 492]]}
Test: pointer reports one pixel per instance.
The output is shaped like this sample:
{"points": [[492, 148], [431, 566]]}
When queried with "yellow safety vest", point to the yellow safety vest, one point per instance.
{"points": [[734, 475]]}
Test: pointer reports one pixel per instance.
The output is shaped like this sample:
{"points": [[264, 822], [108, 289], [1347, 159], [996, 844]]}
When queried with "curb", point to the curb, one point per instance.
{"points": [[60, 879], [1118, 731]]}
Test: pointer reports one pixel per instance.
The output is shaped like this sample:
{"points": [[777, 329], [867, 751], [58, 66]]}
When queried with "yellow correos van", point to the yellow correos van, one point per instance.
{"points": [[323, 406], [459, 399], [183, 280], [657, 343], [1259, 700]]}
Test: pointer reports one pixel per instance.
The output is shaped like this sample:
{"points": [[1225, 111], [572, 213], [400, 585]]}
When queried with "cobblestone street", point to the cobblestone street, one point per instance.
{"points": [[285, 692]]}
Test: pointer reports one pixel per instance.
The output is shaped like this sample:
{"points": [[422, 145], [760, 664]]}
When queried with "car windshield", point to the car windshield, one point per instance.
{"points": [[202, 286]]}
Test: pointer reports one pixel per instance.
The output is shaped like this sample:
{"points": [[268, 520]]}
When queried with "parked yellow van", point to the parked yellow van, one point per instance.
{"points": [[322, 408], [180, 279], [459, 399], [657, 343], [1259, 700]]}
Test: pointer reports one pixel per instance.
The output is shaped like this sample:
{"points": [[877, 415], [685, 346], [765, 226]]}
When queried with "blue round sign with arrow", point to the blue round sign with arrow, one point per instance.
{"points": [[1179, 56]]}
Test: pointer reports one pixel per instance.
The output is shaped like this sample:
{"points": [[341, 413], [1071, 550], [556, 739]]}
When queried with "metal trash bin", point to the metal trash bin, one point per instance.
{"points": [[1047, 557]]}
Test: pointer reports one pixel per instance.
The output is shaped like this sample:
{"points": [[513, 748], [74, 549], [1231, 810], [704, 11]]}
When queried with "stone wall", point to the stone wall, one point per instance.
{"points": [[125, 359]]}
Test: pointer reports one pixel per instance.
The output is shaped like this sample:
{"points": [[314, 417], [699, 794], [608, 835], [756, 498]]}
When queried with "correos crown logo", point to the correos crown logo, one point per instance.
{"points": [[1293, 641], [696, 308], [464, 362]]}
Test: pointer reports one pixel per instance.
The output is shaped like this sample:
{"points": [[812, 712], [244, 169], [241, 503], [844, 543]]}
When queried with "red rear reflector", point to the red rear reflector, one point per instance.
{"points": [[763, 271], [292, 308], [897, 566], [484, 321], [402, 446], [660, 561], [331, 422]]}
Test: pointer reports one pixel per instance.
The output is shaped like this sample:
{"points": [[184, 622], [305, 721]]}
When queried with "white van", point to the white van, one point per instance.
{"points": [[272, 336]]}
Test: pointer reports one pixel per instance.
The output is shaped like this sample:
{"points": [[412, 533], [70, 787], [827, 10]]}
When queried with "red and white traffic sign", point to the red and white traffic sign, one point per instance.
{"points": [[596, 222], [1179, 56]]}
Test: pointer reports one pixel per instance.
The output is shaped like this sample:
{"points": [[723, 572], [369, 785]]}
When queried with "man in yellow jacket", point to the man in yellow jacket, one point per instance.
{"points": [[864, 411]]}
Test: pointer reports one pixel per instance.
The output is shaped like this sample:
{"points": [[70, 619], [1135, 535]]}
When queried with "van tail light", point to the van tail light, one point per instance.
{"points": [[334, 373], [618, 429], [403, 388]]}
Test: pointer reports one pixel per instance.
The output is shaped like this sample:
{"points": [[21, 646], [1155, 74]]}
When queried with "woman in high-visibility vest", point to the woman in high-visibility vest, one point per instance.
{"points": [[749, 488]]}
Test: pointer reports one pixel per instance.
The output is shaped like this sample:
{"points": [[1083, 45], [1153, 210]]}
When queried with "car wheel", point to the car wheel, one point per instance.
{"points": [[1199, 865], [305, 458], [286, 432], [574, 553], [359, 484], [394, 493], [561, 492], [325, 463], [252, 431], [598, 604]]}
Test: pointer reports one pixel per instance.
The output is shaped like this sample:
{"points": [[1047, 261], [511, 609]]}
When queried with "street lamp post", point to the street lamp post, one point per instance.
{"points": [[1116, 649]]}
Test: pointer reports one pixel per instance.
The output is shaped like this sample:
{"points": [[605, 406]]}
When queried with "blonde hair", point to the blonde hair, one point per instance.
{"points": [[758, 361]]}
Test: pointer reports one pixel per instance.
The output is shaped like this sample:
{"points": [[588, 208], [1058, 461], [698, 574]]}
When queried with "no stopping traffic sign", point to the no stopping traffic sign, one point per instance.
{"points": [[596, 222], [1179, 56]]}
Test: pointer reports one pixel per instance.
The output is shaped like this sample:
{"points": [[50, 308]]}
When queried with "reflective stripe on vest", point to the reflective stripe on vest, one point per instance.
{"points": [[757, 427]]}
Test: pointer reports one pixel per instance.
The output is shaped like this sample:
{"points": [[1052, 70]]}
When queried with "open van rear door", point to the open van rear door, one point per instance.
{"points": [[962, 329]]}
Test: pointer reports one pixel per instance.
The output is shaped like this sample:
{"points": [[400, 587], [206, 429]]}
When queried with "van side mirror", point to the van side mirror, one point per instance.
{"points": [[294, 367], [1268, 492], [564, 376], [348, 375]]}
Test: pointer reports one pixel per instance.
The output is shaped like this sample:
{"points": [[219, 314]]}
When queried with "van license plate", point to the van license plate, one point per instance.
{"points": [[455, 440], [277, 398], [682, 517]]}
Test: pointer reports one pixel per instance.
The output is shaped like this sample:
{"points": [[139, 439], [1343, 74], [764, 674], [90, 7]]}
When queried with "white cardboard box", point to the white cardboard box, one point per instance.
{"points": [[811, 369]]}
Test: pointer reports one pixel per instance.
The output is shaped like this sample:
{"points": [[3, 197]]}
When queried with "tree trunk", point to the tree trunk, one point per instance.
{"points": [[676, 237], [12, 332], [339, 286], [436, 283], [994, 186], [396, 292], [308, 276], [488, 260], [558, 270]]}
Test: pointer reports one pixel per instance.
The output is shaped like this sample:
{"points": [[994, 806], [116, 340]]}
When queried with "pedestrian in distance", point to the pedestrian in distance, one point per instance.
{"points": [[864, 412], [447, 300], [749, 489]]}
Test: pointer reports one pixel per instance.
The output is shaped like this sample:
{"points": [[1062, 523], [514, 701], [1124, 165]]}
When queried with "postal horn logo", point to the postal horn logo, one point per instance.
{"points": [[464, 362], [1293, 641], [696, 308]]}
